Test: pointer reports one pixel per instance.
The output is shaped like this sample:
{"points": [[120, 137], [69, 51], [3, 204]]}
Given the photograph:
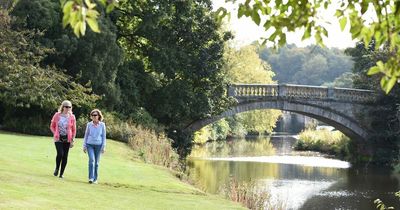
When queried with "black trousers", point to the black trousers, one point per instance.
{"points": [[62, 156]]}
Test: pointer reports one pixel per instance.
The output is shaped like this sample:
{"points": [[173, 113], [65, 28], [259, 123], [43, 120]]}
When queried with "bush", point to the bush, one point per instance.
{"points": [[330, 142], [149, 145], [248, 194], [29, 121]]}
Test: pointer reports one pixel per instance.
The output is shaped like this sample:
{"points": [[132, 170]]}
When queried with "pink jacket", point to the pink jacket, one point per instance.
{"points": [[71, 130]]}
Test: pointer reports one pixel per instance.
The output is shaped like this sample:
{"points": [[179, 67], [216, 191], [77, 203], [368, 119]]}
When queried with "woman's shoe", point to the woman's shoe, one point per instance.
{"points": [[90, 181], [55, 172]]}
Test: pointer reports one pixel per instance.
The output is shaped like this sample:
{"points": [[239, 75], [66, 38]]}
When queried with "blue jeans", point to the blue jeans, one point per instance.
{"points": [[94, 152]]}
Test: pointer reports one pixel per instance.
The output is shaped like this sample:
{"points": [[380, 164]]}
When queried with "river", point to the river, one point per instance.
{"points": [[299, 180]]}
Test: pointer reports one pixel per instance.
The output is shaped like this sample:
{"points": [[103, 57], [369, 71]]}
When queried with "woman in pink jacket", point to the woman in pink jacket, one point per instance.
{"points": [[63, 127]]}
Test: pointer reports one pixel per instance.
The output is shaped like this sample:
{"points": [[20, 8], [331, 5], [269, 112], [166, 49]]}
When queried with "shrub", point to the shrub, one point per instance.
{"points": [[149, 145], [249, 195], [330, 142]]}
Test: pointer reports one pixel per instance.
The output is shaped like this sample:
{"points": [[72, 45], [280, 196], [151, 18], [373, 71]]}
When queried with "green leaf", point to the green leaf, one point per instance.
{"points": [[77, 28], [241, 11], [397, 10], [343, 22], [256, 17], [339, 13], [67, 7], [66, 19], [388, 83], [92, 13], [325, 32], [74, 18], [93, 24], [380, 65], [364, 6], [273, 36], [307, 33], [373, 70], [89, 4], [103, 2], [82, 28], [282, 40], [326, 4], [110, 8], [318, 37]]}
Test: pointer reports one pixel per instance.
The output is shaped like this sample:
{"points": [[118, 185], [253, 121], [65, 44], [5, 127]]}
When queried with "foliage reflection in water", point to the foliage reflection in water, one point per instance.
{"points": [[234, 148]]}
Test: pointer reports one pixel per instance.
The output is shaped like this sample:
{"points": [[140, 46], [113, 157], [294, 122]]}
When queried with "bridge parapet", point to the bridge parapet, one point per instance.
{"points": [[256, 91]]}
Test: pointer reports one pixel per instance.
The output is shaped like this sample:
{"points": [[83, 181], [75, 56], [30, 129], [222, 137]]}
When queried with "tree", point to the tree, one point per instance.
{"points": [[345, 81], [30, 91], [313, 70], [383, 118], [310, 65], [285, 62], [179, 46], [245, 66], [93, 59], [24, 82]]}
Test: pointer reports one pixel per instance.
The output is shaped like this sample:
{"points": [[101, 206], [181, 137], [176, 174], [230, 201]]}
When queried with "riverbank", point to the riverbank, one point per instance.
{"points": [[27, 162]]}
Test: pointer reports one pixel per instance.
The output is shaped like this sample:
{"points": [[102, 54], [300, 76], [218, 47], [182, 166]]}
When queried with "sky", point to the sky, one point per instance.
{"points": [[246, 31]]}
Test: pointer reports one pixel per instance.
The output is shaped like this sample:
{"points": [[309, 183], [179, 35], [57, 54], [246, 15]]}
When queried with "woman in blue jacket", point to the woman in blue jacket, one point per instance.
{"points": [[94, 143]]}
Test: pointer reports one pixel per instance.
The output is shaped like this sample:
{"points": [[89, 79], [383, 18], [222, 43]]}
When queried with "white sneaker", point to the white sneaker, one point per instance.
{"points": [[95, 182], [90, 181]]}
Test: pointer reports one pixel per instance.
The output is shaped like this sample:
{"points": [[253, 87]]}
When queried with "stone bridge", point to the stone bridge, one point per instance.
{"points": [[338, 107]]}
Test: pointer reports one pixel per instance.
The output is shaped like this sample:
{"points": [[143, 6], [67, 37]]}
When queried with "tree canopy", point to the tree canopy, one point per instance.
{"points": [[281, 17], [310, 65], [24, 82]]}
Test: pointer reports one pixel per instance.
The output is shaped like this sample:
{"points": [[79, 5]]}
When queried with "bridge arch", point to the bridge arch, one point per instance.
{"points": [[342, 123], [333, 106]]}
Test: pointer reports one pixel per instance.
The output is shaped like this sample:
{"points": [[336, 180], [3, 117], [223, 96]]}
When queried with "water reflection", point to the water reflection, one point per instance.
{"points": [[289, 180], [294, 159], [235, 148]]}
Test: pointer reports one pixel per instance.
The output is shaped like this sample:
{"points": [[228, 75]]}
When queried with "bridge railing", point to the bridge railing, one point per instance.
{"points": [[253, 91]]}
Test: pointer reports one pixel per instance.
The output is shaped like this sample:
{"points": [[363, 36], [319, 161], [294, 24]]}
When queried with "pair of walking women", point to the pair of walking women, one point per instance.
{"points": [[63, 127]]}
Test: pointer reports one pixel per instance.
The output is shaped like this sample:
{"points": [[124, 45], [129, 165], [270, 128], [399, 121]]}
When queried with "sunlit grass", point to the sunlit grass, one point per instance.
{"points": [[26, 180]]}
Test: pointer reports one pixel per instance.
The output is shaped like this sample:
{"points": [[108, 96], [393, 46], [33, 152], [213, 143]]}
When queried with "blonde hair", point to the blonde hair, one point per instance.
{"points": [[65, 103], [98, 112]]}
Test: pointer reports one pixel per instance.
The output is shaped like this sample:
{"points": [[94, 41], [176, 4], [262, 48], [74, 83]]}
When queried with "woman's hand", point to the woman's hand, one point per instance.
{"points": [[84, 149], [71, 144]]}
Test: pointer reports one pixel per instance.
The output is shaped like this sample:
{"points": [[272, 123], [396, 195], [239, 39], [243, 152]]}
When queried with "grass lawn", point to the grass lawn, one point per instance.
{"points": [[27, 182]]}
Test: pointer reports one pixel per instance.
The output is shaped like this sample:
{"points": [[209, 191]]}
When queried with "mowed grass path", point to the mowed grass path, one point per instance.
{"points": [[26, 180]]}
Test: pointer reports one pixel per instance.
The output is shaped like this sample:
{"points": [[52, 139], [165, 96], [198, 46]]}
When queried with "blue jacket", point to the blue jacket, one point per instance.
{"points": [[95, 135]]}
